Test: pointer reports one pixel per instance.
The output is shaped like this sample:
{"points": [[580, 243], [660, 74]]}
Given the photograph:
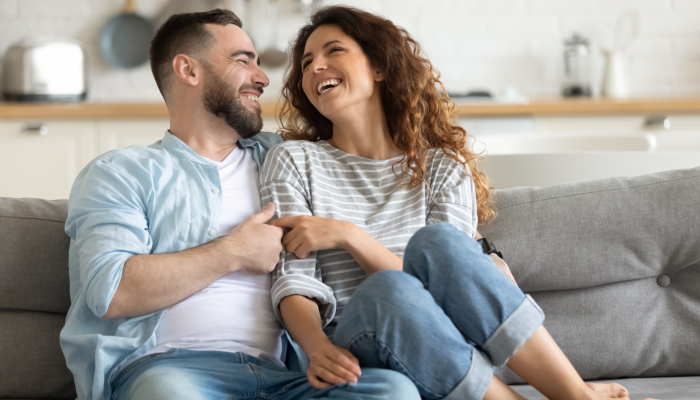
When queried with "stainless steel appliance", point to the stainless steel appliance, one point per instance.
{"points": [[44, 70], [577, 67]]}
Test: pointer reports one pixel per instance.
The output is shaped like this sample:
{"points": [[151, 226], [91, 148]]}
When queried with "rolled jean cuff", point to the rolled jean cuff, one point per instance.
{"points": [[477, 381], [513, 333]]}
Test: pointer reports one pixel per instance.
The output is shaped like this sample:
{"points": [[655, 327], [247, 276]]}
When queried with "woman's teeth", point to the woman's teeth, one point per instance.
{"points": [[327, 85], [251, 97]]}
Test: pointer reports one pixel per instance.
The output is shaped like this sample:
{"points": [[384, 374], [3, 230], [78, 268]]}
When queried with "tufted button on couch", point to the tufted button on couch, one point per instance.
{"points": [[614, 264]]}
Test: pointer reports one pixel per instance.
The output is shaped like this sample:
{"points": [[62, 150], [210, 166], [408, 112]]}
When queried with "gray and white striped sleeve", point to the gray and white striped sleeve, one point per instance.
{"points": [[454, 197], [281, 184]]}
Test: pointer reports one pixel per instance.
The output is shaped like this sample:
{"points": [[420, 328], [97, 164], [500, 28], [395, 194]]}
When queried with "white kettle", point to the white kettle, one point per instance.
{"points": [[615, 77]]}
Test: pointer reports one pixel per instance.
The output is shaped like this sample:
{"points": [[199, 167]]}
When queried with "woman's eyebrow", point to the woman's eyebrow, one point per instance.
{"points": [[324, 46]]}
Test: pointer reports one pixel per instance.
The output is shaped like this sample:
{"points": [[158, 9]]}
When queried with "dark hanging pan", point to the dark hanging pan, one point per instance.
{"points": [[126, 38]]}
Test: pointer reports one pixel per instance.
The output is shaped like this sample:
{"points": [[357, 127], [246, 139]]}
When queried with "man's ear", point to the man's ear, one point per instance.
{"points": [[187, 70]]}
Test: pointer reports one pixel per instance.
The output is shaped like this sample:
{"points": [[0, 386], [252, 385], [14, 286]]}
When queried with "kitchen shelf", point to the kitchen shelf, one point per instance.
{"points": [[580, 107], [537, 107]]}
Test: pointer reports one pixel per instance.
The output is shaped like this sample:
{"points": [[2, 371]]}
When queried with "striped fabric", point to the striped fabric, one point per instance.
{"points": [[315, 178]]}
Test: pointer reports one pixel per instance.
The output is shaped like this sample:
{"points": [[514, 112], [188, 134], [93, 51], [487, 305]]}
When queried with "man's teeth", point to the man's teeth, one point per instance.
{"points": [[327, 85], [251, 97]]}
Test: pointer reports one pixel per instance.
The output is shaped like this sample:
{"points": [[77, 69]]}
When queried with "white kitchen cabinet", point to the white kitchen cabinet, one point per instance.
{"points": [[32, 165], [118, 134], [43, 166]]}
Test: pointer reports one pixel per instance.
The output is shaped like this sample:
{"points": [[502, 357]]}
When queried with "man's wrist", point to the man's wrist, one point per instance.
{"points": [[221, 253]]}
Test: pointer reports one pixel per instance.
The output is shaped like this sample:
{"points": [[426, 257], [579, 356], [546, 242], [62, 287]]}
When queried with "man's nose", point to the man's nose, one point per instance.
{"points": [[260, 78]]}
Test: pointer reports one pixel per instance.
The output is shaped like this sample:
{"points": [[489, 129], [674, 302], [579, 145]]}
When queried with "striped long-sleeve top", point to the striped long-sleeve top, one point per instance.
{"points": [[315, 178]]}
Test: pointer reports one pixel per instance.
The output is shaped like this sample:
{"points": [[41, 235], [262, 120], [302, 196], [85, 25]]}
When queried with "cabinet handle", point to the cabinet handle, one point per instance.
{"points": [[36, 128], [657, 122]]}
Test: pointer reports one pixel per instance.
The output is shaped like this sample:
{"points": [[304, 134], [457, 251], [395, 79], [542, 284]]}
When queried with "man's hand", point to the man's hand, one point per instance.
{"points": [[307, 234], [254, 247], [332, 365]]}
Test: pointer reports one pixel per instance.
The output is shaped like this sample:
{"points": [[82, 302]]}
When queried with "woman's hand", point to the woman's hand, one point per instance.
{"points": [[315, 233], [332, 365], [503, 267], [306, 234], [499, 262]]}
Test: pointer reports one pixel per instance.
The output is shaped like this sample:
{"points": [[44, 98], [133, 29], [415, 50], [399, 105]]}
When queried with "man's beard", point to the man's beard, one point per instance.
{"points": [[224, 101]]}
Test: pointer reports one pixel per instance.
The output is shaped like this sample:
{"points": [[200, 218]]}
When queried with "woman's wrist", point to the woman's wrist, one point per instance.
{"points": [[351, 236], [313, 342]]}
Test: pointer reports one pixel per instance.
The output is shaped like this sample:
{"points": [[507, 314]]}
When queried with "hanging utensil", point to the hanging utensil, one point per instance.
{"points": [[626, 30], [273, 56], [126, 38]]}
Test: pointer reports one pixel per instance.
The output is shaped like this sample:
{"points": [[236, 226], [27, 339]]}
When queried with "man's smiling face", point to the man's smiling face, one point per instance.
{"points": [[233, 80]]}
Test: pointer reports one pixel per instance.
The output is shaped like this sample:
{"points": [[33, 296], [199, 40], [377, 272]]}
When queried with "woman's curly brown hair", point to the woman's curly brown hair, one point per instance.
{"points": [[419, 115]]}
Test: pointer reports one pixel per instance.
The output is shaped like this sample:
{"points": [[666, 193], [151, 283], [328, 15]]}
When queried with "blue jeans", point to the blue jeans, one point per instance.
{"points": [[211, 375], [444, 322]]}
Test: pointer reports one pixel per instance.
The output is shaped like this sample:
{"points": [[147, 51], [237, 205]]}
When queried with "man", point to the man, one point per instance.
{"points": [[170, 250]]}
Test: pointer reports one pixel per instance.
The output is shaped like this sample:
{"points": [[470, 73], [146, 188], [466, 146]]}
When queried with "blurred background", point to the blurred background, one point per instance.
{"points": [[552, 90]]}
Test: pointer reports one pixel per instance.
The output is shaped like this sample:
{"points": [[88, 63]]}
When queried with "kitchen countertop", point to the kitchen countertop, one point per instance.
{"points": [[464, 109]]}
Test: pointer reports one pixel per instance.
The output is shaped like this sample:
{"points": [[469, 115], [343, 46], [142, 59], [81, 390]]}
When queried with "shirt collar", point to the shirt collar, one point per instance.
{"points": [[176, 146], [248, 142]]}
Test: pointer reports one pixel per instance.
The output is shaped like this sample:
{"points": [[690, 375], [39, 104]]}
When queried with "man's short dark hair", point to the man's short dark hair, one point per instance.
{"points": [[185, 34]]}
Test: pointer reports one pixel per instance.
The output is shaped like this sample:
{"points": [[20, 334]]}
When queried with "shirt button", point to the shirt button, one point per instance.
{"points": [[212, 232], [215, 191]]}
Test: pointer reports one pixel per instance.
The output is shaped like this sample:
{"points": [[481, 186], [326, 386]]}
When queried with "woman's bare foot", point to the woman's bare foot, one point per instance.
{"points": [[610, 390]]}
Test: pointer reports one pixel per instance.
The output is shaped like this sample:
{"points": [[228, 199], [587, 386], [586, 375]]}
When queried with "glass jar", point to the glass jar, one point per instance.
{"points": [[577, 67]]}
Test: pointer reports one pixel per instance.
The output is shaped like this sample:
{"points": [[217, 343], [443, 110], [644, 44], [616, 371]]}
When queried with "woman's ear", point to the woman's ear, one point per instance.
{"points": [[186, 69], [378, 76]]}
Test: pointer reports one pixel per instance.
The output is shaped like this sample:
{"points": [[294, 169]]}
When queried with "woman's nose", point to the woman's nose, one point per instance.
{"points": [[318, 65]]}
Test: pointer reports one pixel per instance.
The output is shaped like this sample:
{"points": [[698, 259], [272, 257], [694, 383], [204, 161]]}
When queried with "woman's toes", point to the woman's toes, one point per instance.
{"points": [[610, 390]]}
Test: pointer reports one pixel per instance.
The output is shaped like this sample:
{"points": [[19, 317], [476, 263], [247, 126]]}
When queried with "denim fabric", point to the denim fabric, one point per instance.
{"points": [[216, 375], [162, 198], [444, 322]]}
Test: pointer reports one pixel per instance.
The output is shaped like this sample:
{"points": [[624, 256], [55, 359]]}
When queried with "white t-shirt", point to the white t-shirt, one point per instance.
{"points": [[233, 314]]}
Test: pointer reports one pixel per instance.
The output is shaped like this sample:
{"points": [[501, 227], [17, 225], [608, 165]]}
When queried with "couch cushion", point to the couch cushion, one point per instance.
{"points": [[592, 254], [32, 362], [34, 255], [681, 388]]}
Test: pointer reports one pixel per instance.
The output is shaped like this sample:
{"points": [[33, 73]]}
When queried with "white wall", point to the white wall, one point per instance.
{"points": [[475, 44]]}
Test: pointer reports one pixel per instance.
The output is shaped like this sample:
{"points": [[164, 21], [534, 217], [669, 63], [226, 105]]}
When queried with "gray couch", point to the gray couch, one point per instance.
{"points": [[614, 263]]}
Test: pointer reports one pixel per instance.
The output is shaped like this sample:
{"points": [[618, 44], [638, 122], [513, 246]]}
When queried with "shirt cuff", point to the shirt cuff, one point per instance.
{"points": [[307, 286]]}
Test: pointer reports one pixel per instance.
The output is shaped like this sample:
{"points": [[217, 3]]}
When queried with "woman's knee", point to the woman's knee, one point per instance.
{"points": [[440, 245]]}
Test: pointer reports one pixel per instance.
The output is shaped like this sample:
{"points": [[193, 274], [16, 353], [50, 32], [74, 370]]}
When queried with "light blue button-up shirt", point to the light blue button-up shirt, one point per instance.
{"points": [[162, 198]]}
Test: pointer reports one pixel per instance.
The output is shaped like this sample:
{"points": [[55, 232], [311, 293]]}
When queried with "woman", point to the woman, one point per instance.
{"points": [[377, 162]]}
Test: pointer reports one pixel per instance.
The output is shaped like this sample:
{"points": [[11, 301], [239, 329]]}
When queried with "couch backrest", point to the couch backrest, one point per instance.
{"points": [[615, 265], [34, 299]]}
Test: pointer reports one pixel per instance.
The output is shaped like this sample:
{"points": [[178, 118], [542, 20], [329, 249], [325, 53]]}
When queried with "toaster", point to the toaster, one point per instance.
{"points": [[44, 70]]}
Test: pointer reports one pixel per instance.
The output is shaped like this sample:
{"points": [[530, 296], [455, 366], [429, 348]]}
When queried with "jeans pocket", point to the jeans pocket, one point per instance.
{"points": [[131, 369]]}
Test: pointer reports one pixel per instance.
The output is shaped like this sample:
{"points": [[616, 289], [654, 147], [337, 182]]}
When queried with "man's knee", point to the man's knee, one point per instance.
{"points": [[387, 384]]}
